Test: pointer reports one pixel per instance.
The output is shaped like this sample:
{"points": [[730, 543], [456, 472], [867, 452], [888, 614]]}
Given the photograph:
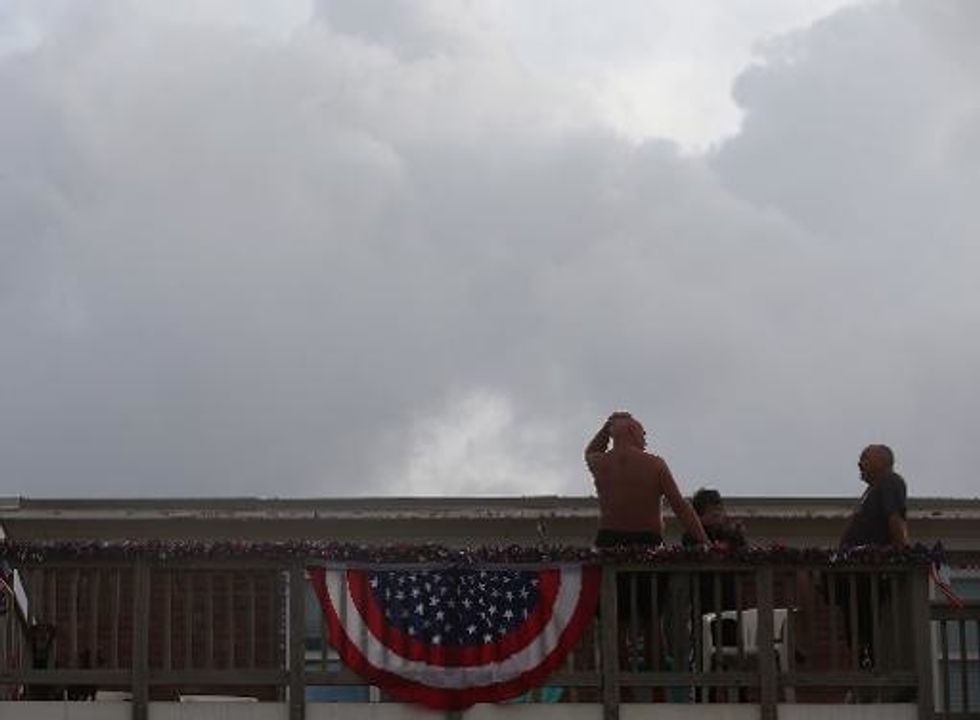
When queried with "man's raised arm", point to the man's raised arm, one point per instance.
{"points": [[599, 443]]}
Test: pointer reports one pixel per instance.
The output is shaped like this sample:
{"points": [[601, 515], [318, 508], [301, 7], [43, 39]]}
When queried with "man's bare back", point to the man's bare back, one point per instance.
{"points": [[631, 483]]}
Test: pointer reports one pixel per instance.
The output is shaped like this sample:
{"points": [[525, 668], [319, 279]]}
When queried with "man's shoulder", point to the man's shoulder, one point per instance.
{"points": [[655, 459], [893, 482]]}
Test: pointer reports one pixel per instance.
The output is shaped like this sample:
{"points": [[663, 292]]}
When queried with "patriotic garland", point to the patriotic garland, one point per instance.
{"points": [[18, 552]]}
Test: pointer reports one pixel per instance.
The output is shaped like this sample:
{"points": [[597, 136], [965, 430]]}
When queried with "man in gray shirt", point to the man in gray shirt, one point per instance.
{"points": [[879, 519]]}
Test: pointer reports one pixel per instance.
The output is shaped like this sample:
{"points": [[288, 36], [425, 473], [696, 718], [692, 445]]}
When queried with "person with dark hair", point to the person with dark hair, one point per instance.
{"points": [[707, 503], [722, 532]]}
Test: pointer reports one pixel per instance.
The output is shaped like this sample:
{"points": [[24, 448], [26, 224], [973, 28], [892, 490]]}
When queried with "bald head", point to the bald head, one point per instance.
{"points": [[876, 462], [627, 431]]}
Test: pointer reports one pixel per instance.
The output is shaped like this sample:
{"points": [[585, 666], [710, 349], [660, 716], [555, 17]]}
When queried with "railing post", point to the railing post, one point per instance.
{"points": [[609, 637], [297, 641], [768, 687], [922, 639], [141, 639], [679, 586]]}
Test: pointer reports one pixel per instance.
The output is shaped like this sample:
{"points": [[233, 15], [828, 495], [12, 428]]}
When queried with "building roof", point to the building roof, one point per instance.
{"points": [[431, 508]]}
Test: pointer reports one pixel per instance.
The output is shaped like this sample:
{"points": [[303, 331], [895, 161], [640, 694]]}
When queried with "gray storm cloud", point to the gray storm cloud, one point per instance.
{"points": [[393, 259]]}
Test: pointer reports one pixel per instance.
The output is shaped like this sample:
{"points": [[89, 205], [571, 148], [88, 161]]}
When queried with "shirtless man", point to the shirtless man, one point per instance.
{"points": [[630, 483]]}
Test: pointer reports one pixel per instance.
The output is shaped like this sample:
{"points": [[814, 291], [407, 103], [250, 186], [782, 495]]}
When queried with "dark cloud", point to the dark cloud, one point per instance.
{"points": [[345, 265]]}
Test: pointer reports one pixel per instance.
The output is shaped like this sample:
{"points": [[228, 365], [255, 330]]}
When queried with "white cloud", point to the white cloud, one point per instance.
{"points": [[478, 444]]}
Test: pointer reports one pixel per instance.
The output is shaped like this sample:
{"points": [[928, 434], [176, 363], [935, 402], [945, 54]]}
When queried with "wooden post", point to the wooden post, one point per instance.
{"points": [[679, 584], [609, 638], [297, 642], [141, 639], [768, 687], [922, 640]]}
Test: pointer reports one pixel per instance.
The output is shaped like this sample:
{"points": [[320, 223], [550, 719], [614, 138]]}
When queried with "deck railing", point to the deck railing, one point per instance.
{"points": [[152, 628]]}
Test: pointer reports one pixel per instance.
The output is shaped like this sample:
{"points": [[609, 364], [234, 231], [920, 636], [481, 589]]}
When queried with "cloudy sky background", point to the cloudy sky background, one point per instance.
{"points": [[388, 247]]}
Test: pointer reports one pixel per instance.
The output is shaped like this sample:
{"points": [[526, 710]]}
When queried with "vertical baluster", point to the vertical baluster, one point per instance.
{"points": [[189, 619], [250, 633], [230, 610], [717, 637], [976, 628], [852, 614], [273, 625], [115, 602], [632, 658], [789, 633], [167, 580], [209, 620], [324, 642], [36, 592], [696, 629], [570, 667], [768, 686], [944, 663], [738, 579], [5, 651], [832, 611], [51, 614], [597, 644], [878, 662], [964, 665], [655, 644], [141, 639], [73, 618], [898, 645], [739, 631], [95, 581], [4, 628]]}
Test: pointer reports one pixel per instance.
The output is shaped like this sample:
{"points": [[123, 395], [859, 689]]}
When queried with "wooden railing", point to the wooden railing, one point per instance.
{"points": [[957, 632], [705, 632]]}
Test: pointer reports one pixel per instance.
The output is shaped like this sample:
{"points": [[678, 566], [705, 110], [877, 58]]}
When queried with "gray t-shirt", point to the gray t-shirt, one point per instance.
{"points": [[869, 523]]}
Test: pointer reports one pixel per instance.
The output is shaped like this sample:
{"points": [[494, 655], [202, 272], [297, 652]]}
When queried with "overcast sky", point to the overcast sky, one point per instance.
{"points": [[389, 247]]}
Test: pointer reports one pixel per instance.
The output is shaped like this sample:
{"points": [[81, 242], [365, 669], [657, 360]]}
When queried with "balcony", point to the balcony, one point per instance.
{"points": [[233, 630]]}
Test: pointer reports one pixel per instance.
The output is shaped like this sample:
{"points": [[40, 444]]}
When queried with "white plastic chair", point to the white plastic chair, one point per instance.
{"points": [[750, 636]]}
